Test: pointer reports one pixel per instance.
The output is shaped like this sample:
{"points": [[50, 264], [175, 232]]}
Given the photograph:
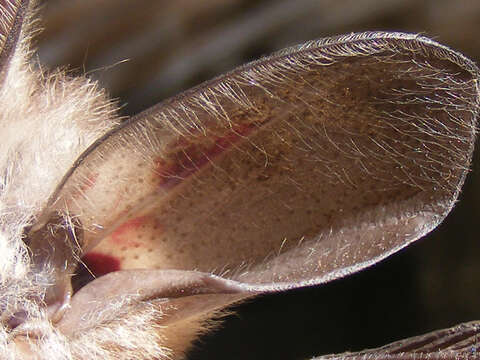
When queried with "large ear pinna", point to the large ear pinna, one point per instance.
{"points": [[293, 170], [368, 133]]}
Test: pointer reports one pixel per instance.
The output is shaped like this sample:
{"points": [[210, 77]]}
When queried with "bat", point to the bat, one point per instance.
{"points": [[127, 238]]}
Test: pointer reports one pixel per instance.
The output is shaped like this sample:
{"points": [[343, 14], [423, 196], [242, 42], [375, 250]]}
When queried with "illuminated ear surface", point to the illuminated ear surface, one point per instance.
{"points": [[295, 169]]}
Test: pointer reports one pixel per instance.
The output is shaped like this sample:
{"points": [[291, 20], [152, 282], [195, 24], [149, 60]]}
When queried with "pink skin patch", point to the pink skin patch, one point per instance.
{"points": [[84, 185], [101, 264], [193, 156], [123, 235], [89, 181]]}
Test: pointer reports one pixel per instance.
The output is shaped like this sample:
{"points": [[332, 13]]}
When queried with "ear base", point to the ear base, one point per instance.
{"points": [[181, 303], [12, 17], [170, 287]]}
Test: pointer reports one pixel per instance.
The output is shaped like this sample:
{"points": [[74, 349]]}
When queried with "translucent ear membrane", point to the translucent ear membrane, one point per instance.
{"points": [[295, 169]]}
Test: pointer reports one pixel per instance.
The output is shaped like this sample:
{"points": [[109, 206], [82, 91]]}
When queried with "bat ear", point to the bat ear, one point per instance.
{"points": [[13, 15], [294, 170]]}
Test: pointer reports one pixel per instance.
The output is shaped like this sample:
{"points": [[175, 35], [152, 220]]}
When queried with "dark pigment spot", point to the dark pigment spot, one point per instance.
{"points": [[101, 264], [190, 157]]}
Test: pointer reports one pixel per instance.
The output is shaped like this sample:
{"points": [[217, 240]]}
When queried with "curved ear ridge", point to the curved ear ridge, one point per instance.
{"points": [[12, 17]]}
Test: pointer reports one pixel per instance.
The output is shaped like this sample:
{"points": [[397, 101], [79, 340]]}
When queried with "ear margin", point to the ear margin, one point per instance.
{"points": [[14, 14]]}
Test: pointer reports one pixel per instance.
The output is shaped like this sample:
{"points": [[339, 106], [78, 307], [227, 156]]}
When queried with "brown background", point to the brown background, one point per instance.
{"points": [[173, 45]]}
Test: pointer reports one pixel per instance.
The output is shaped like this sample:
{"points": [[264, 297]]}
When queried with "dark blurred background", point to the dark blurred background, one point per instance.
{"points": [[173, 45]]}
